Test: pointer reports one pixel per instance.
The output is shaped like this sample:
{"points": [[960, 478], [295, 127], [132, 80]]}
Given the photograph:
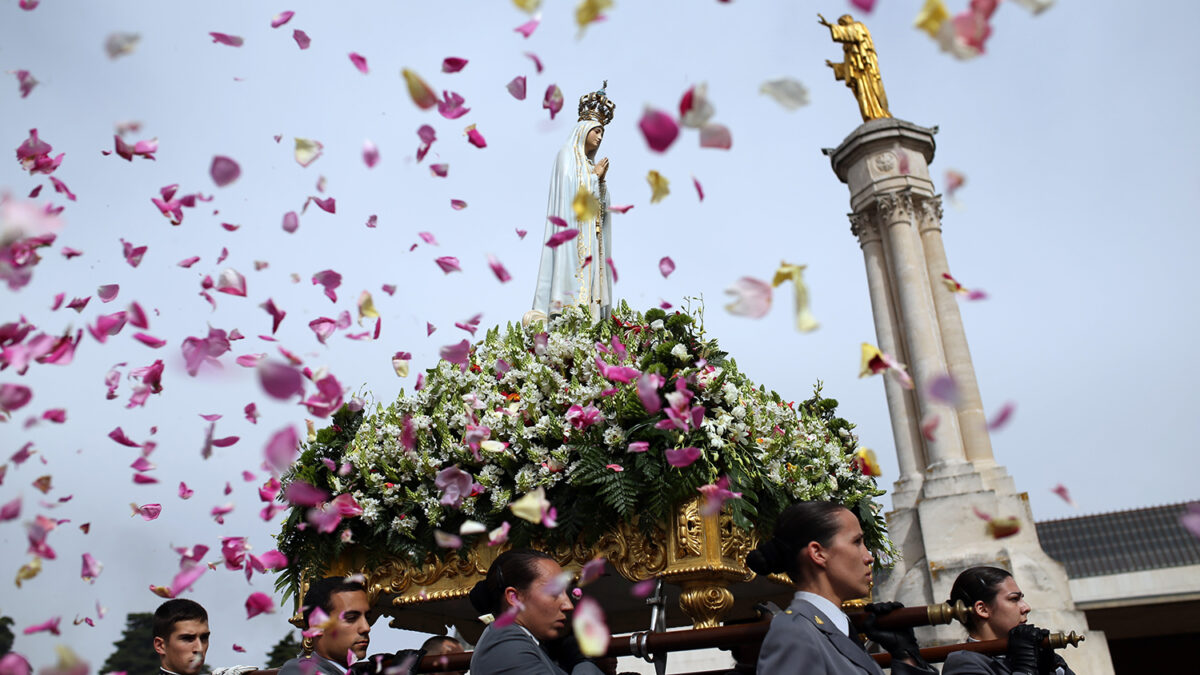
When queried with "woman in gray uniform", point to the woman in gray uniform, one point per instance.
{"points": [[820, 547], [1000, 611]]}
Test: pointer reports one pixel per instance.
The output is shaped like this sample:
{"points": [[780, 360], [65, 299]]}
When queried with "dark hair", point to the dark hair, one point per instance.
{"points": [[798, 525], [438, 641], [172, 612], [975, 584], [516, 568], [320, 594]]}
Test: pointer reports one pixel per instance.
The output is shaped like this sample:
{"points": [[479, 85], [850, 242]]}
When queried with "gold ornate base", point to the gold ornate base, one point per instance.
{"points": [[705, 602]]}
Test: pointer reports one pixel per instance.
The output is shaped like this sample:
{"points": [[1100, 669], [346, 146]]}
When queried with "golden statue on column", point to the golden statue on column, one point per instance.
{"points": [[861, 67]]}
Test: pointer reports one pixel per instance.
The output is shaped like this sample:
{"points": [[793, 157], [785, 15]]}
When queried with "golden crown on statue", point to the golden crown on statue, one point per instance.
{"points": [[597, 106]]}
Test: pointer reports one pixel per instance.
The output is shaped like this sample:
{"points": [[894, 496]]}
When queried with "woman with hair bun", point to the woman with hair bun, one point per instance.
{"points": [[1000, 610], [524, 582], [820, 547]]}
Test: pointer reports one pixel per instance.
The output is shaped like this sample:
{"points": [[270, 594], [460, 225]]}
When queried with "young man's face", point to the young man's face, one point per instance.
{"points": [[349, 630], [183, 652]]}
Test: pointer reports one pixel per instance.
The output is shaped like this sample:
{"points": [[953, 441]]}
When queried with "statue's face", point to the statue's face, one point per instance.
{"points": [[592, 143], [845, 20]]}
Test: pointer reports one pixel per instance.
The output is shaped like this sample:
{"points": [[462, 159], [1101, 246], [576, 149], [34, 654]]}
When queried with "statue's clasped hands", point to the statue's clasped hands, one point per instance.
{"points": [[602, 168]]}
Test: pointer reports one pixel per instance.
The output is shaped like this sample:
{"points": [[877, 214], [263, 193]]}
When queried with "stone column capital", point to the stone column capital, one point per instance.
{"points": [[931, 214], [894, 206], [863, 227]]}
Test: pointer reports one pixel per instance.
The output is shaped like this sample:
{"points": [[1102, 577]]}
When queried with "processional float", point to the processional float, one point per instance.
{"points": [[517, 413]]}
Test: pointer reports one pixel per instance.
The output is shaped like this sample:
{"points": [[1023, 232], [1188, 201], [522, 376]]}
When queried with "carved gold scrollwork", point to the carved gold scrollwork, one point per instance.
{"points": [[630, 553], [689, 530], [736, 543], [705, 602]]}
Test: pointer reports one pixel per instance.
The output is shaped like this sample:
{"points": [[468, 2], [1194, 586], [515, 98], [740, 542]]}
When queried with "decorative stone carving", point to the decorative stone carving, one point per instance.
{"points": [[863, 227], [894, 207], [885, 162], [931, 214]]}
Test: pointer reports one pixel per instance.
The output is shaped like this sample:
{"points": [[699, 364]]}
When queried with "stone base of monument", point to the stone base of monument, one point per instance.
{"points": [[699, 558], [941, 537]]}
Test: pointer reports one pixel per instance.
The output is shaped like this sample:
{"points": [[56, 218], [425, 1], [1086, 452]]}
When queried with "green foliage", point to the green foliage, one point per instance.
{"points": [[6, 635], [286, 649], [516, 419], [134, 651]]}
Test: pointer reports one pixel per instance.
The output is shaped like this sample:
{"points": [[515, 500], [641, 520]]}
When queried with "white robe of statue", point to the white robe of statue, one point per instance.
{"points": [[576, 272]]}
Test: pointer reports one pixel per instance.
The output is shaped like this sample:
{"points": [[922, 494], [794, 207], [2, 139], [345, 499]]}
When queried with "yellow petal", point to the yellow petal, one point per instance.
{"points": [[312, 431], [869, 353], [586, 206], [589, 10], [307, 151], [29, 570], [867, 462], [805, 321], [531, 506], [659, 186], [530, 6], [400, 366], [366, 307], [420, 92], [932, 16]]}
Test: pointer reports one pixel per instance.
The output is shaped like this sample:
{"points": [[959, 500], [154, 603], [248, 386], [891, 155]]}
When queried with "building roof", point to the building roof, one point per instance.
{"points": [[1122, 541]]}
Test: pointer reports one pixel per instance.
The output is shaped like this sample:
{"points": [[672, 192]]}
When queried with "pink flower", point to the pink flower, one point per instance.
{"points": [[453, 64], [639, 446], [259, 603], [659, 129], [647, 386], [683, 457], [359, 62], [517, 87], [622, 374], [553, 100], [583, 417], [455, 485]]}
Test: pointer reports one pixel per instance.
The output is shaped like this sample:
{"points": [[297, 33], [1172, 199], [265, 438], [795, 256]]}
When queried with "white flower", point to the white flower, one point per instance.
{"points": [[679, 351], [739, 412], [656, 324]]}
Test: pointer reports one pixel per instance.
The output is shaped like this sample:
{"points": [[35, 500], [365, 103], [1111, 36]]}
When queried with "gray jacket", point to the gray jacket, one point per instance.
{"points": [[974, 663], [309, 665], [512, 651], [804, 641]]}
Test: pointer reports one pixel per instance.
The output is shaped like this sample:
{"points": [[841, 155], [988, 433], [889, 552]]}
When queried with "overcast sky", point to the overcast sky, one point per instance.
{"points": [[1078, 218]]}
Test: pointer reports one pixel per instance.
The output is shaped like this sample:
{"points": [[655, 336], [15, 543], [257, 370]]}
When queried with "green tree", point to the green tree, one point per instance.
{"points": [[6, 635], [285, 649], [135, 650]]}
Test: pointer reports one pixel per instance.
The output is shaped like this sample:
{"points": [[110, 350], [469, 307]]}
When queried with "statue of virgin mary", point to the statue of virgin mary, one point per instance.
{"points": [[578, 271]]}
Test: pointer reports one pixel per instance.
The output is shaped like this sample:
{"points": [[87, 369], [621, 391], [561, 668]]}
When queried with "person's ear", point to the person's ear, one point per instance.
{"points": [[818, 554], [160, 646], [982, 610], [512, 596]]}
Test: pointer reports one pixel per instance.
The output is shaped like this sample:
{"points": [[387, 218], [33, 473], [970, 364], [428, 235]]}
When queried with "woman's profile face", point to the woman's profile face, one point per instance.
{"points": [[543, 614], [1007, 610], [592, 142], [848, 561]]}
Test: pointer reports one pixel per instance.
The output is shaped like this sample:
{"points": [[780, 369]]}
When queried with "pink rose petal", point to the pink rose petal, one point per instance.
{"points": [[188, 262], [330, 280], [715, 136], [231, 40], [553, 100], [517, 87], [224, 170], [561, 237], [1002, 416], [359, 62], [752, 298], [282, 18], [526, 29], [300, 493], [439, 170], [149, 340], [475, 138], [456, 353], [14, 397], [50, 626], [620, 209], [451, 105], [659, 129], [458, 204], [448, 264], [25, 82], [699, 188], [453, 64], [682, 457], [537, 63], [498, 269], [370, 157], [280, 380], [301, 38], [259, 603], [666, 266], [108, 292]]}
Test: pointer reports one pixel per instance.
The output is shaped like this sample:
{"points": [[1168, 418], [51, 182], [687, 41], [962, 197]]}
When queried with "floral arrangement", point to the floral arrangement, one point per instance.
{"points": [[556, 433]]}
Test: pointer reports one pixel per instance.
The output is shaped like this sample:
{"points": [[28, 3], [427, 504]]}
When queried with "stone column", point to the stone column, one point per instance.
{"points": [[910, 452], [897, 219], [922, 336], [971, 417]]}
